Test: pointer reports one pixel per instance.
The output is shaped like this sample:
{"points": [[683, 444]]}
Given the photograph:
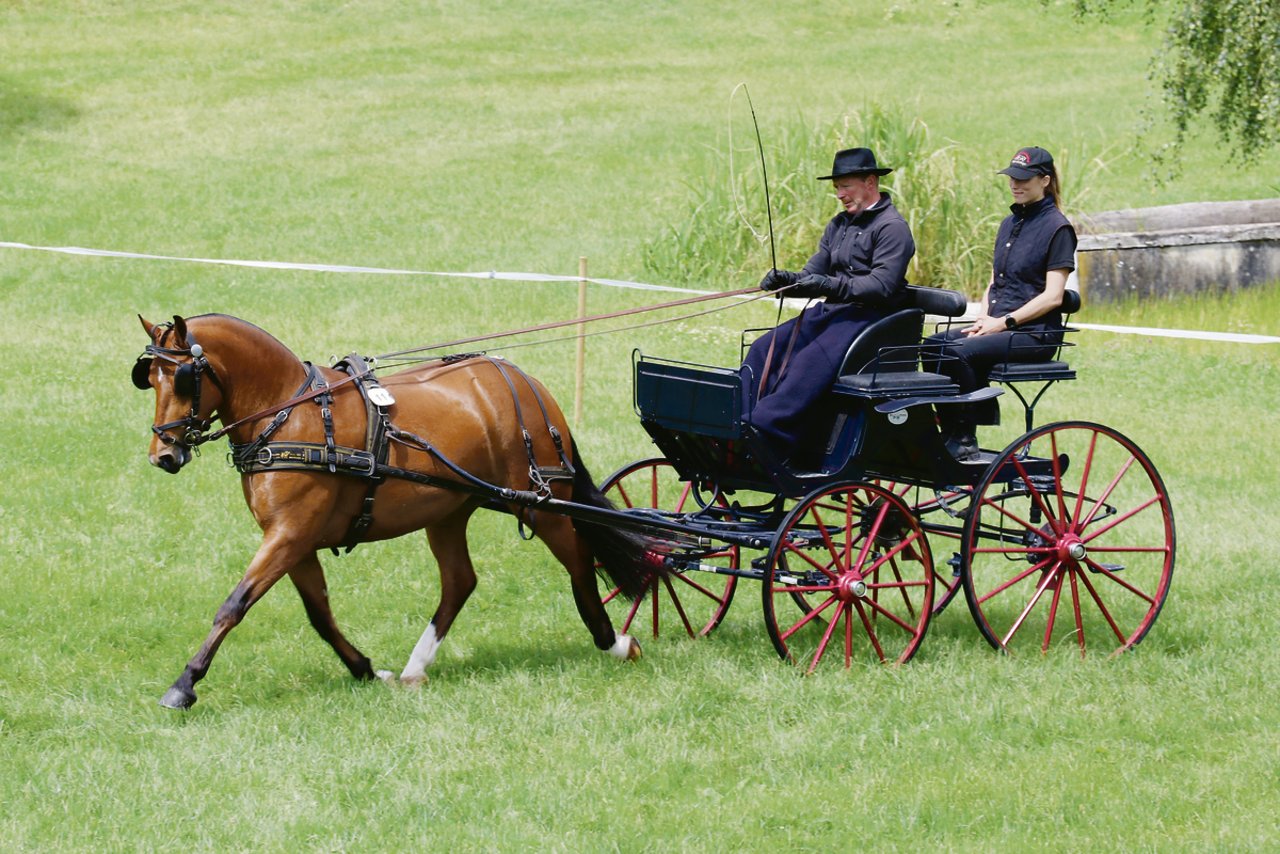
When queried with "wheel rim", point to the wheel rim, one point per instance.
{"points": [[1069, 541], [687, 600], [857, 563]]}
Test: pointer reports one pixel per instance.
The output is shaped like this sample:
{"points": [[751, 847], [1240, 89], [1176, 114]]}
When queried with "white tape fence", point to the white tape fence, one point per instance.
{"points": [[1228, 337]]}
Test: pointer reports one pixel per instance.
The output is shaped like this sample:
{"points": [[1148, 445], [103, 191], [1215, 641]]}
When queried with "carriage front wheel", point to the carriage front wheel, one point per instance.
{"points": [[849, 578], [1069, 540], [690, 599]]}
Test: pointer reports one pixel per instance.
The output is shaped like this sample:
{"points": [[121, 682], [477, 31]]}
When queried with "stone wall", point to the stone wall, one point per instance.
{"points": [[1175, 249]]}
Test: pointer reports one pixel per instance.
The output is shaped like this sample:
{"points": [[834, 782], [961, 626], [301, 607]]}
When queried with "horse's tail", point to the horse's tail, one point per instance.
{"points": [[629, 559]]}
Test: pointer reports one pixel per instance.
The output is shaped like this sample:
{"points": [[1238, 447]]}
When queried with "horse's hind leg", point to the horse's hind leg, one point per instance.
{"points": [[308, 578], [448, 540], [572, 551]]}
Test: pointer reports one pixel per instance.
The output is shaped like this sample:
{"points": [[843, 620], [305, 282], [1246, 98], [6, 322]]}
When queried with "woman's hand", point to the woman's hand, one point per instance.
{"points": [[985, 325]]}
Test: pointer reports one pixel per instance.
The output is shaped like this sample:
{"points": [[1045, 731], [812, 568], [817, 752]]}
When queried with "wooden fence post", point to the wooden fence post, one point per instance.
{"points": [[582, 343]]}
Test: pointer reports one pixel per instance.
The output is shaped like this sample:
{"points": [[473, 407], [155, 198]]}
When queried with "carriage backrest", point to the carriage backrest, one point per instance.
{"points": [[891, 345], [887, 345], [940, 301]]}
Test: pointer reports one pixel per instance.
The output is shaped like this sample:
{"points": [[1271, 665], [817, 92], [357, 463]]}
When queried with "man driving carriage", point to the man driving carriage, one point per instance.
{"points": [[859, 273]]}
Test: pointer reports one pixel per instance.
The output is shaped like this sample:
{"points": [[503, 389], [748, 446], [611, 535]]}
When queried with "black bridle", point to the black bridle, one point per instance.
{"points": [[190, 365]]}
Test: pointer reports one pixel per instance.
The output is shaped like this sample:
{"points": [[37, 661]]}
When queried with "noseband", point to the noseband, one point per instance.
{"points": [[187, 382]]}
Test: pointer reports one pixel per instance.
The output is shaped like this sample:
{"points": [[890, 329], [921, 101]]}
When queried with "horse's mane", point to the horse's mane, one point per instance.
{"points": [[198, 320]]}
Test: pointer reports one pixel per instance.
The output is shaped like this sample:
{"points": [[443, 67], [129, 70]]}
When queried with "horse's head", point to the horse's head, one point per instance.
{"points": [[176, 366]]}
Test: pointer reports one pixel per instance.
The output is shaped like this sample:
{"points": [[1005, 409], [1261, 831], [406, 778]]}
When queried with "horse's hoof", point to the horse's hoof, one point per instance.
{"points": [[626, 648], [413, 682], [386, 676], [177, 698]]}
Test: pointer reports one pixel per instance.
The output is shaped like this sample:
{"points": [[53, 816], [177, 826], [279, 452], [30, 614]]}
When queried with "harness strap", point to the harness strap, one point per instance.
{"points": [[249, 450], [540, 477], [375, 441], [305, 456]]}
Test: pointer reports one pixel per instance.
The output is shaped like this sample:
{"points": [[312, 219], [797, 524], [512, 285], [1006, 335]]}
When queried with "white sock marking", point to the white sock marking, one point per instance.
{"points": [[621, 647], [424, 653]]}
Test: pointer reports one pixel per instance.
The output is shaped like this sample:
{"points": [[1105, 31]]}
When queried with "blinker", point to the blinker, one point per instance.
{"points": [[184, 380], [142, 373]]}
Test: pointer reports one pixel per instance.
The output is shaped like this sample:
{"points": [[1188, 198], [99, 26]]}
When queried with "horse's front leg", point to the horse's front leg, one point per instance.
{"points": [[274, 558]]}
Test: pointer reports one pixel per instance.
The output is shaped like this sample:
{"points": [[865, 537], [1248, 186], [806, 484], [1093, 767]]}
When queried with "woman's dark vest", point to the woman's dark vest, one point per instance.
{"points": [[1020, 266]]}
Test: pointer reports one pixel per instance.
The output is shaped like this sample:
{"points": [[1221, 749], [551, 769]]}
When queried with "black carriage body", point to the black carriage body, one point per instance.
{"points": [[877, 422]]}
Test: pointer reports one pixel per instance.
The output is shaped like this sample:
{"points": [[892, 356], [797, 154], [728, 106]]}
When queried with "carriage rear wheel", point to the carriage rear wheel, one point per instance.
{"points": [[849, 578], [691, 599], [1069, 541], [945, 508]]}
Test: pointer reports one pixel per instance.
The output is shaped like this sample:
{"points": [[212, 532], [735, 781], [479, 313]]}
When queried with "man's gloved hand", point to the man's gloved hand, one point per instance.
{"points": [[775, 279], [815, 286]]}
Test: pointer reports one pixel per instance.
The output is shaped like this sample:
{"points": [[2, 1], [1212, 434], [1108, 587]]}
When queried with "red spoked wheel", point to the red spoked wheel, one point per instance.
{"points": [[692, 599], [1069, 540], [946, 507], [849, 578]]}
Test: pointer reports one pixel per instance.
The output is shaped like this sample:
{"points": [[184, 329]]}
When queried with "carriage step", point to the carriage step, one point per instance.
{"points": [[1109, 567], [955, 563]]}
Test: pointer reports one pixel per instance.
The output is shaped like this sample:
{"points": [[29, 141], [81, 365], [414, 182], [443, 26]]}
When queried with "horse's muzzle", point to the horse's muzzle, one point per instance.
{"points": [[172, 459]]}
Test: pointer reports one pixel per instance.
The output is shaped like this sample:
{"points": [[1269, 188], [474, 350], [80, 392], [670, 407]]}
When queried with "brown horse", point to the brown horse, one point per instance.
{"points": [[474, 418]]}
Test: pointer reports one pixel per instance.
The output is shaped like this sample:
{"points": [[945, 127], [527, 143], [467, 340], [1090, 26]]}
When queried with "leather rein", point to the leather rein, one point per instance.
{"points": [[260, 454]]}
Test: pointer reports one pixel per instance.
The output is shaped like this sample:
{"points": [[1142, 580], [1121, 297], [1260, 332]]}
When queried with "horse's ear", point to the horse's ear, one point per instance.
{"points": [[179, 331], [148, 326]]}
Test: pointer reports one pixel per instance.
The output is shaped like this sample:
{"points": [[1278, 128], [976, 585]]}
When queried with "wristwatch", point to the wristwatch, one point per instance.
{"points": [[1009, 322]]}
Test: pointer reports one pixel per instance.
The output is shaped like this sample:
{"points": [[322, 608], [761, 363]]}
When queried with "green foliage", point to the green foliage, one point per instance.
{"points": [[1227, 51], [1221, 60]]}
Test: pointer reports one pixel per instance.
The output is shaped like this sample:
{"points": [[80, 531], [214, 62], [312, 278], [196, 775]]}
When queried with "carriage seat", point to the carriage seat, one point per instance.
{"points": [[1047, 372], [883, 360], [1024, 372], [1052, 370]]}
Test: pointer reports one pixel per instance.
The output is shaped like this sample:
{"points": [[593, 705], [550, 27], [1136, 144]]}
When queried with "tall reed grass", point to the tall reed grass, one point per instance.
{"points": [[951, 198]]}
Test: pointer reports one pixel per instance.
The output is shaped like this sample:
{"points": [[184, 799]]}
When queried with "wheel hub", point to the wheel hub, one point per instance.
{"points": [[851, 586], [1070, 548]]}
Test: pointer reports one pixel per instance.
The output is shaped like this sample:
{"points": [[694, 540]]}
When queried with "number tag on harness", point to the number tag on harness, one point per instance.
{"points": [[380, 396]]}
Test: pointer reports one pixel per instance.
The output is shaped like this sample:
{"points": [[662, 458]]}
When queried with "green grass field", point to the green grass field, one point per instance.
{"points": [[519, 138]]}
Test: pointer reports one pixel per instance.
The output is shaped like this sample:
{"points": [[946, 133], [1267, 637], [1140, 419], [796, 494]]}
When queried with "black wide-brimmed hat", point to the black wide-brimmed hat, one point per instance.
{"points": [[1028, 163], [854, 161]]}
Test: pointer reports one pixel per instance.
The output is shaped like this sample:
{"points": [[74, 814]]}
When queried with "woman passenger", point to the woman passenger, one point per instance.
{"points": [[1034, 254]]}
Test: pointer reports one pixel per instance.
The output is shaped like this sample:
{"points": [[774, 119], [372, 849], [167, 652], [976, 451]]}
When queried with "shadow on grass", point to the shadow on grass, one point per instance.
{"points": [[23, 108]]}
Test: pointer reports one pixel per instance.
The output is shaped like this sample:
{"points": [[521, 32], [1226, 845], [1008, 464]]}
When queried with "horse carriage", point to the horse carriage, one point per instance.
{"points": [[1064, 536]]}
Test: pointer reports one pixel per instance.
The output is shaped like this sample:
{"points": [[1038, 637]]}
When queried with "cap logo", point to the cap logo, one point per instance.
{"points": [[1022, 158]]}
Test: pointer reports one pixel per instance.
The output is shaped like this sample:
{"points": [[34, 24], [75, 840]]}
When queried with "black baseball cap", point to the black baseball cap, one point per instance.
{"points": [[1028, 163]]}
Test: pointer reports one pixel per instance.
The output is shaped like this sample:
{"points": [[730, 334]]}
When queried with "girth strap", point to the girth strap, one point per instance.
{"points": [[263, 455]]}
